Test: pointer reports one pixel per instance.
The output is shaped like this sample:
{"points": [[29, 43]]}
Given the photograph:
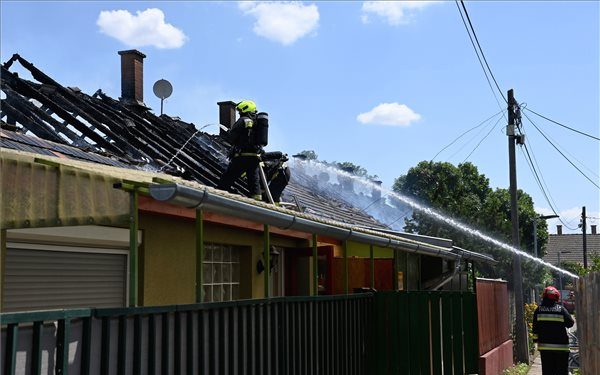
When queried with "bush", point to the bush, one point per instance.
{"points": [[529, 310], [520, 369]]}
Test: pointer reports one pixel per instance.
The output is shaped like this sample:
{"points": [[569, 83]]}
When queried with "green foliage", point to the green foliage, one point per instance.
{"points": [[347, 166], [310, 154], [463, 194], [520, 369], [529, 310], [577, 268]]}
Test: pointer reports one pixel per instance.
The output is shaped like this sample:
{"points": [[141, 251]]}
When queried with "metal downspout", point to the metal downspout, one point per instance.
{"points": [[315, 266], [267, 256], [199, 256], [194, 198], [372, 261], [345, 252], [133, 248]]}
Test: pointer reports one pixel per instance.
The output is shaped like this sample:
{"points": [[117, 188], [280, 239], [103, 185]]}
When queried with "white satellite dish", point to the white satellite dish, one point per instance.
{"points": [[162, 89]]}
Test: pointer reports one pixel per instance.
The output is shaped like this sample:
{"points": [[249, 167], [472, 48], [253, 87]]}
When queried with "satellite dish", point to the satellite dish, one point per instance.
{"points": [[162, 89]]}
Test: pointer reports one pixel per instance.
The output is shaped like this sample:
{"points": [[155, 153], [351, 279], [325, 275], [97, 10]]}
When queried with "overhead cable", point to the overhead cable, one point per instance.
{"points": [[480, 49], [536, 165], [483, 139], [564, 126], [561, 153], [464, 133], [479, 58], [539, 182]]}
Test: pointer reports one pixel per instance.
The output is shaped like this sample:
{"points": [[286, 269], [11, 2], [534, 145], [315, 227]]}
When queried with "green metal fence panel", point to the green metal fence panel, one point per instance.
{"points": [[86, 346], [122, 345], [62, 346], [447, 333], [137, 344], [404, 350], [36, 350], [471, 340], [105, 346], [291, 335], [457, 332], [416, 333], [424, 332], [436, 333], [10, 358]]}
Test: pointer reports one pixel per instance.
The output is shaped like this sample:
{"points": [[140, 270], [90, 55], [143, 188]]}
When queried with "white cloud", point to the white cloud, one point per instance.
{"points": [[283, 22], [146, 28], [394, 12], [394, 114]]}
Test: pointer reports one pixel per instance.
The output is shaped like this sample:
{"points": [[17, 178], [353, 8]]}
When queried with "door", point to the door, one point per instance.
{"points": [[299, 272]]}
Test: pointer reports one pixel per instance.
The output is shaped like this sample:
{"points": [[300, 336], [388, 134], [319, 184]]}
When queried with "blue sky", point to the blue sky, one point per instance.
{"points": [[383, 85]]}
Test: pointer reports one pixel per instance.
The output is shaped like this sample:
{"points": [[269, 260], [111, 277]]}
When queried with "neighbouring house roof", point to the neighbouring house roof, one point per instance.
{"points": [[46, 118], [571, 247]]}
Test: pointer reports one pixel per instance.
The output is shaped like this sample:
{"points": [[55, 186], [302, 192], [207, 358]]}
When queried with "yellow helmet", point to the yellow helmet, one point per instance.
{"points": [[246, 106]]}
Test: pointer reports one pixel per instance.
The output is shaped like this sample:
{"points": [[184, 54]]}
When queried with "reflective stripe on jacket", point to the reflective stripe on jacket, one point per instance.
{"points": [[550, 321]]}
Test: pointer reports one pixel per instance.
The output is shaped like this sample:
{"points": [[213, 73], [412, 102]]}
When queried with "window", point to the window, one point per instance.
{"points": [[221, 272]]}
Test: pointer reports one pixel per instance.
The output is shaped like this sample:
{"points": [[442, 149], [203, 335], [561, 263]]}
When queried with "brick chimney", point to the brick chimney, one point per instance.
{"points": [[559, 229], [376, 193], [346, 183], [594, 229], [226, 115], [132, 77]]}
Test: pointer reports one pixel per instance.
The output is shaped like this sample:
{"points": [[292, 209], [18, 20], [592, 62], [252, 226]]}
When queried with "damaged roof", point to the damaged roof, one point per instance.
{"points": [[47, 118]]}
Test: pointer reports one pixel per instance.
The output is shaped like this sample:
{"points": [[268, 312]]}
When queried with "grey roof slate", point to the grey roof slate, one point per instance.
{"points": [[571, 247]]}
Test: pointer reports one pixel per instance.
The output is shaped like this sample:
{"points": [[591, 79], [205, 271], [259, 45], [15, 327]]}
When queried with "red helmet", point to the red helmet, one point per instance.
{"points": [[551, 293]]}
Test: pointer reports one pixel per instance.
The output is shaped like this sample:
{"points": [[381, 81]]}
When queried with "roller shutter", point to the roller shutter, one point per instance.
{"points": [[41, 277]]}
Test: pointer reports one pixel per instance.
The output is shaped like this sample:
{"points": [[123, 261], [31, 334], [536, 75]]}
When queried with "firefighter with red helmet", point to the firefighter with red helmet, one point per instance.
{"points": [[550, 321]]}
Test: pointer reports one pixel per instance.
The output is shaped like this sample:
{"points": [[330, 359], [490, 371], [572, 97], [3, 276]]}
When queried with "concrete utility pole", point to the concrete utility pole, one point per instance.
{"points": [[583, 225], [514, 118]]}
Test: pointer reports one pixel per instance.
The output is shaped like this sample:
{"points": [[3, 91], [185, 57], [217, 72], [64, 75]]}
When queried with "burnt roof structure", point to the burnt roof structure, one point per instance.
{"points": [[47, 118]]}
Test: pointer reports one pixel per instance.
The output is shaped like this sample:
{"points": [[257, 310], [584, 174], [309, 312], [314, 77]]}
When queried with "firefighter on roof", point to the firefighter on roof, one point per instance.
{"points": [[244, 152]]}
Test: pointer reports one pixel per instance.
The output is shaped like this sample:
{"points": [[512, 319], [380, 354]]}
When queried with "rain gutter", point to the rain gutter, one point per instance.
{"points": [[471, 255], [210, 200]]}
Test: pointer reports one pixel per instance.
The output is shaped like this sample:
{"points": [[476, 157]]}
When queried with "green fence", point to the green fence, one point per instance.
{"points": [[425, 333], [382, 333]]}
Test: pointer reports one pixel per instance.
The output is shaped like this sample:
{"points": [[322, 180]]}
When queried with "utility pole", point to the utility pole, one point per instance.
{"points": [[583, 229], [514, 119]]}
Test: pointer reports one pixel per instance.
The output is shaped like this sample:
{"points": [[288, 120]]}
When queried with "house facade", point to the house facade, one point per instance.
{"points": [[80, 226]]}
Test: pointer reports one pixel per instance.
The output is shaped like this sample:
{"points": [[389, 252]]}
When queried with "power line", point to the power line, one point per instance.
{"points": [[540, 185], [561, 153], [481, 50], [478, 144], [479, 58], [535, 164], [564, 126], [466, 132]]}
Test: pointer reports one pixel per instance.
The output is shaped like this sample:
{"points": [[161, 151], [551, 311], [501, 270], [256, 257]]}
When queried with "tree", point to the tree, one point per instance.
{"points": [[310, 154], [463, 194], [347, 166]]}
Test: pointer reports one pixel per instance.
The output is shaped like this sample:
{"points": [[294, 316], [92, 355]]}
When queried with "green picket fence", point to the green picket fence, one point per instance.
{"points": [[420, 333]]}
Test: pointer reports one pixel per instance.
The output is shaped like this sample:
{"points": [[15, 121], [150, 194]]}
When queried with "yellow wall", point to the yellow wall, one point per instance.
{"points": [[168, 258]]}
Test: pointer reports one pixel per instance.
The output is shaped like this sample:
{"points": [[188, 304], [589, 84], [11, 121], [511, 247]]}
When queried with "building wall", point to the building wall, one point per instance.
{"points": [[168, 258]]}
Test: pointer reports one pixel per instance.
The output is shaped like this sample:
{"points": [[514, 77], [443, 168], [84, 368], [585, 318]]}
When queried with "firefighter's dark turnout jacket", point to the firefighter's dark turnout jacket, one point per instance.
{"points": [[550, 321], [244, 156]]}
